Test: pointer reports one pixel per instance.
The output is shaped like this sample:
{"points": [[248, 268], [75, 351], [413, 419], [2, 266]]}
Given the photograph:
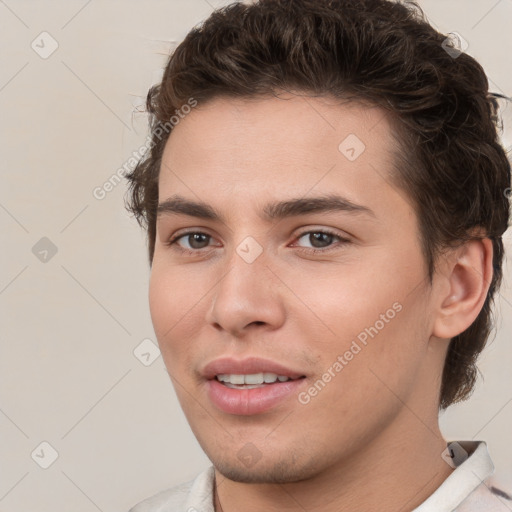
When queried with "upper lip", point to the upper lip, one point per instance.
{"points": [[251, 365]]}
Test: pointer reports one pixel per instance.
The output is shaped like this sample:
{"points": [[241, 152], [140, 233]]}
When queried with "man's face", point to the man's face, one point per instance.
{"points": [[349, 323]]}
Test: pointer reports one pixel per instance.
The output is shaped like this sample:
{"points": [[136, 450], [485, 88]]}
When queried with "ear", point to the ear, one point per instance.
{"points": [[466, 283]]}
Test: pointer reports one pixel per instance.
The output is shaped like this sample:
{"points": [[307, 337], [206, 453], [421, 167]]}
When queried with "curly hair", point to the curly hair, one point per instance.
{"points": [[450, 161]]}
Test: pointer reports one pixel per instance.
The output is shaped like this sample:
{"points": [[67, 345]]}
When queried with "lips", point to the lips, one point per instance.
{"points": [[248, 399], [247, 366]]}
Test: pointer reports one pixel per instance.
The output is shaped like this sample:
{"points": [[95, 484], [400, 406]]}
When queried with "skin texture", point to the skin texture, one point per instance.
{"points": [[369, 440]]}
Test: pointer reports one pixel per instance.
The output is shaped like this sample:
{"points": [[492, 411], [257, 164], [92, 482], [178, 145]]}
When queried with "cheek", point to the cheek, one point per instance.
{"points": [[173, 302], [345, 300], [372, 313], [161, 303], [372, 366]]}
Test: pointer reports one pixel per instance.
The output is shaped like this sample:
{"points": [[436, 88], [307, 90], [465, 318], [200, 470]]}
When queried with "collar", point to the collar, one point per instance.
{"points": [[466, 477]]}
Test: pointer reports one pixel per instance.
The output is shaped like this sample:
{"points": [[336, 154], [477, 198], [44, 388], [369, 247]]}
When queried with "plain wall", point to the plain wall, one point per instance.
{"points": [[70, 323]]}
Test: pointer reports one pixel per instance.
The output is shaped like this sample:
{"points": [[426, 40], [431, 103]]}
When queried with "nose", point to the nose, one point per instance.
{"points": [[248, 296]]}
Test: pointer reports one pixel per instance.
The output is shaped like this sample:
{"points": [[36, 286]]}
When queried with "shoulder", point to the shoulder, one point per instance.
{"points": [[187, 496], [492, 495], [164, 500], [472, 486]]}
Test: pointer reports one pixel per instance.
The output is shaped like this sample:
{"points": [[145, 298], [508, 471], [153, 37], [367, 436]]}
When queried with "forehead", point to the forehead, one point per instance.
{"points": [[286, 146]]}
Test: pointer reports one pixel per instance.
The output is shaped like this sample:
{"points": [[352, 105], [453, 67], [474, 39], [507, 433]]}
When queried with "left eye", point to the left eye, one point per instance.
{"points": [[321, 239]]}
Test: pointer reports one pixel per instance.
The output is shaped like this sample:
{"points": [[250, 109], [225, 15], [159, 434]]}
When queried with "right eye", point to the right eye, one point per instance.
{"points": [[194, 238]]}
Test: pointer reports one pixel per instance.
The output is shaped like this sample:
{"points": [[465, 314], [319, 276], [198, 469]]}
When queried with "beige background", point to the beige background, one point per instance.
{"points": [[70, 324]]}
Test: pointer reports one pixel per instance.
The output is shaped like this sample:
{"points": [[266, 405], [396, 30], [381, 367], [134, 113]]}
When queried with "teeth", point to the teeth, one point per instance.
{"points": [[251, 379], [236, 379], [254, 378], [245, 386]]}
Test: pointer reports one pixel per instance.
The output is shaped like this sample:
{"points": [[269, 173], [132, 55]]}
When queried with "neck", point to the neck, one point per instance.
{"points": [[398, 470]]}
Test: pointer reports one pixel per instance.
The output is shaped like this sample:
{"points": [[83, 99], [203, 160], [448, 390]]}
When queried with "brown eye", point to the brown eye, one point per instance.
{"points": [[321, 240], [196, 241]]}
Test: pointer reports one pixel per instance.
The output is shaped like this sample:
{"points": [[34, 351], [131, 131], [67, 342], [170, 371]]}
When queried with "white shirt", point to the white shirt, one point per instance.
{"points": [[469, 488]]}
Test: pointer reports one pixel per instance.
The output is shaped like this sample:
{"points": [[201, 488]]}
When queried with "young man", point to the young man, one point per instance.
{"points": [[325, 196]]}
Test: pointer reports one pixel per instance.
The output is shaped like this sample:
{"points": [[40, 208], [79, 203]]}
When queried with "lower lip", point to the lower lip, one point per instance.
{"points": [[250, 401]]}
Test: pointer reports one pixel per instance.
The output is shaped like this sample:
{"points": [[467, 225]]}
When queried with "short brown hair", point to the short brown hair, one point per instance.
{"points": [[450, 163]]}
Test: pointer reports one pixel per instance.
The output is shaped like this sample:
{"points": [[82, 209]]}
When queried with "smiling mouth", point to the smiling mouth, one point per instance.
{"points": [[253, 380]]}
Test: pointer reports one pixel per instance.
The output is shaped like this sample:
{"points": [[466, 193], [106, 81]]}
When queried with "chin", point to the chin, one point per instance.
{"points": [[284, 471]]}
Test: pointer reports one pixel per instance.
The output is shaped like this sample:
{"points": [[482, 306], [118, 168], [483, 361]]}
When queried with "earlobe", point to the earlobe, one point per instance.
{"points": [[468, 282]]}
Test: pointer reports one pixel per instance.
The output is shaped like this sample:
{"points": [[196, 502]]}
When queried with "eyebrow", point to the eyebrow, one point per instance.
{"points": [[178, 205]]}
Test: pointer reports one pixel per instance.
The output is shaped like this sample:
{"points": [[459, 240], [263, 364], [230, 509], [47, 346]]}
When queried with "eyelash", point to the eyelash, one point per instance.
{"points": [[193, 252]]}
